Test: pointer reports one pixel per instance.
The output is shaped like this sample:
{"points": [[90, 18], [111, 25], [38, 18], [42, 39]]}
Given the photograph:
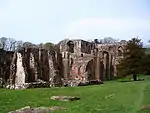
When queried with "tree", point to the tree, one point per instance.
{"points": [[48, 46], [19, 45], [105, 40], [9, 44], [133, 55], [29, 45], [145, 64], [3, 41], [96, 41], [40, 45], [109, 40]]}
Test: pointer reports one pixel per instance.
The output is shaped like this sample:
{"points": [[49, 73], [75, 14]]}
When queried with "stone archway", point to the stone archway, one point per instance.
{"points": [[90, 71], [120, 51], [70, 45]]}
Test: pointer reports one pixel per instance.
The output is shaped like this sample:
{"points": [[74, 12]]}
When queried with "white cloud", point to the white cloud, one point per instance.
{"points": [[101, 27]]}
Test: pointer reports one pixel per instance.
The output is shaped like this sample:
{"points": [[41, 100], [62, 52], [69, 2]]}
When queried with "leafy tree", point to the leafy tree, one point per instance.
{"points": [[96, 41], [145, 65], [29, 45], [48, 46], [133, 55]]}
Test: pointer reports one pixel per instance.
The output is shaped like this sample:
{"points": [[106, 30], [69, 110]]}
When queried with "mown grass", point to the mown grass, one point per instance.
{"points": [[110, 97]]}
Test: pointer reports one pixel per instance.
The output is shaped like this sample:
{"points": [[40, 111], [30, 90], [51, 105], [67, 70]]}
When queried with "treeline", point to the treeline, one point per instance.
{"points": [[136, 59], [10, 44], [105, 40]]}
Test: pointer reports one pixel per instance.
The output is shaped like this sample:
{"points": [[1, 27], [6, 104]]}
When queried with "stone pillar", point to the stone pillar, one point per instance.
{"points": [[40, 64], [51, 66], [110, 67], [13, 70], [101, 66], [66, 65], [40, 54], [114, 66], [52, 73], [104, 61], [97, 68], [20, 73], [33, 67], [115, 69]]}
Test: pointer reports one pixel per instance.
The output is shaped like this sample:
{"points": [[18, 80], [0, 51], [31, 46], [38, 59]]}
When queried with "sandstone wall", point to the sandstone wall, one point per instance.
{"points": [[5, 62], [30, 65], [76, 60], [91, 61]]}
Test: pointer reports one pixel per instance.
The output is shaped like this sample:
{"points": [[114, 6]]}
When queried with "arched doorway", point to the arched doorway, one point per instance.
{"points": [[90, 70], [70, 45], [120, 51]]}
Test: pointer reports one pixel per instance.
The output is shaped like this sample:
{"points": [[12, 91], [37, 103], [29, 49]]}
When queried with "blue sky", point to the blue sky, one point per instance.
{"points": [[53, 20]]}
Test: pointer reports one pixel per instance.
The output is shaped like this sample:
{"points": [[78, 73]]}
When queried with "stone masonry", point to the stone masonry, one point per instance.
{"points": [[77, 61], [85, 61], [29, 65]]}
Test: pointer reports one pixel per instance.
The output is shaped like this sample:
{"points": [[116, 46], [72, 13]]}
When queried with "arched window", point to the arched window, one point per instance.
{"points": [[70, 46], [119, 53]]}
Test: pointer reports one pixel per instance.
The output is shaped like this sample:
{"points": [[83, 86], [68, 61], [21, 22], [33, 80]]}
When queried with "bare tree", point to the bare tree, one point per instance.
{"points": [[48, 46], [29, 45], [108, 40], [40, 45], [105, 40], [3, 41], [18, 45], [11, 44], [8, 44]]}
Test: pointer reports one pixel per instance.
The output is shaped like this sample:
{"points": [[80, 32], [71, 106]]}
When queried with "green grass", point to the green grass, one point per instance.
{"points": [[110, 97]]}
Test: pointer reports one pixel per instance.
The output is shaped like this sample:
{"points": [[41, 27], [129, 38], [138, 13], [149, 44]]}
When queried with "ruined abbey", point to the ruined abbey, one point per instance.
{"points": [[77, 61]]}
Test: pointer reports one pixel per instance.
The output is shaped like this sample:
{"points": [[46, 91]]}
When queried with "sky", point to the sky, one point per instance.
{"points": [[41, 21]]}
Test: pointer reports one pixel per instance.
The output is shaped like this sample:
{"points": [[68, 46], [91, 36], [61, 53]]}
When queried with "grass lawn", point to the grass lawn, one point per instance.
{"points": [[110, 97]]}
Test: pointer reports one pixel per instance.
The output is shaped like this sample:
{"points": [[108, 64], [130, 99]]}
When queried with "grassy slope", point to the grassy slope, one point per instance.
{"points": [[111, 97]]}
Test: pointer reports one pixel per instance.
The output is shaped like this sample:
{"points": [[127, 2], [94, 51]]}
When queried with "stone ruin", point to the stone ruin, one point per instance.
{"points": [[30, 67], [86, 62], [77, 62]]}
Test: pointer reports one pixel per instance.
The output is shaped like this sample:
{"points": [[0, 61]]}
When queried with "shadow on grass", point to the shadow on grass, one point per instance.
{"points": [[126, 81], [130, 80]]}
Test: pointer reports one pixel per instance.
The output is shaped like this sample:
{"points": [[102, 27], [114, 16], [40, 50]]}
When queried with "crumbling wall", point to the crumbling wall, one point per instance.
{"points": [[29, 65], [75, 60], [5, 61], [105, 58], [20, 72]]}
